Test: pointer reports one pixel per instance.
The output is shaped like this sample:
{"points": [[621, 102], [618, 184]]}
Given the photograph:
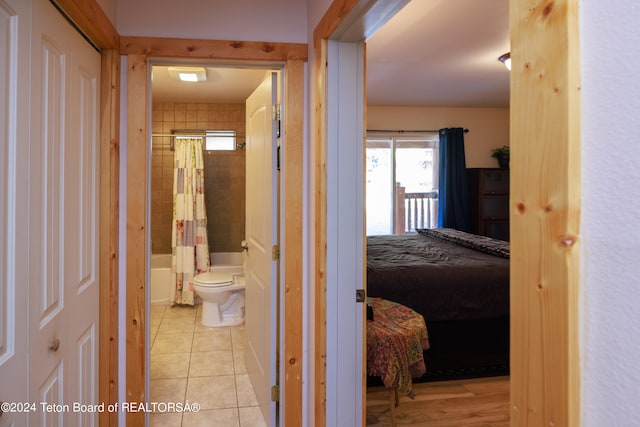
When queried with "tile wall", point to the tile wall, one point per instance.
{"points": [[224, 174]]}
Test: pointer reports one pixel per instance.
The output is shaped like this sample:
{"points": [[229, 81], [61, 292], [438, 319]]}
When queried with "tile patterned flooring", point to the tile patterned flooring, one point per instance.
{"points": [[191, 362]]}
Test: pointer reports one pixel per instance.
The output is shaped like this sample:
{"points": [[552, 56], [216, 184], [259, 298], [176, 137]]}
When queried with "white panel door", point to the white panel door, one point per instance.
{"points": [[261, 236], [14, 150], [63, 238]]}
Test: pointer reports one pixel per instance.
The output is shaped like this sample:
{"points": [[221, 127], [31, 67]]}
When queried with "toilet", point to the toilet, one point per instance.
{"points": [[222, 294]]}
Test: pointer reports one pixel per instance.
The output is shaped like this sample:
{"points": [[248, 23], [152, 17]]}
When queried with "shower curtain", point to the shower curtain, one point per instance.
{"points": [[190, 246]]}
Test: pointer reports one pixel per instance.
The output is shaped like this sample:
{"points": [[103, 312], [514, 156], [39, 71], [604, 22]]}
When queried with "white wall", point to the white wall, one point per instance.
{"points": [[109, 7], [610, 285], [248, 20], [317, 9], [488, 127]]}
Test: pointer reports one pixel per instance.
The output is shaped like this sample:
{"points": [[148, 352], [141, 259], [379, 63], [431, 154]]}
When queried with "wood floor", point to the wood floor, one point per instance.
{"points": [[474, 402]]}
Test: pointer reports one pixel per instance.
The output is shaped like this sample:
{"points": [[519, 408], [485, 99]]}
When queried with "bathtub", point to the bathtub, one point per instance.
{"points": [[162, 281], [161, 287]]}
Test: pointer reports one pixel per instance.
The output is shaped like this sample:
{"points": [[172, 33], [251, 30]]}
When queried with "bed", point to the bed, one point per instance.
{"points": [[459, 283]]}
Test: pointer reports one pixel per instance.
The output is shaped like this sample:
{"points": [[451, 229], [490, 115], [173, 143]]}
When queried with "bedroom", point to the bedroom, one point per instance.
{"points": [[451, 82]]}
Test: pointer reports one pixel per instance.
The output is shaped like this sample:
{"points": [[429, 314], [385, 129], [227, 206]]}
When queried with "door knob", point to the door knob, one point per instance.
{"points": [[244, 246], [55, 344]]}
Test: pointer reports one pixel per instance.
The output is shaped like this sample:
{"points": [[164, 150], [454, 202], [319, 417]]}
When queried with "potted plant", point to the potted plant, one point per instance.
{"points": [[501, 154]]}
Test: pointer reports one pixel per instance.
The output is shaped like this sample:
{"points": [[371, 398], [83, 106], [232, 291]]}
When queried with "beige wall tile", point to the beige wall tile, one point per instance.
{"points": [[224, 174]]}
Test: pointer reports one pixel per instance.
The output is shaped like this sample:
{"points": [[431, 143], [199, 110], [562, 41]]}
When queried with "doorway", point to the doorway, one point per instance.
{"points": [[292, 58], [535, 380], [189, 360]]}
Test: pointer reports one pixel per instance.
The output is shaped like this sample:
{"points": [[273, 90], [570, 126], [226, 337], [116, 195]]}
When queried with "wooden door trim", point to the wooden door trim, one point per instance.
{"points": [[320, 281], [89, 17], [545, 213], [109, 231], [293, 64], [136, 242], [222, 50], [293, 254]]}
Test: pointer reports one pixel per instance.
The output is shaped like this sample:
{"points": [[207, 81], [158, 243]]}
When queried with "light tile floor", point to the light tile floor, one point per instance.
{"points": [[191, 362]]}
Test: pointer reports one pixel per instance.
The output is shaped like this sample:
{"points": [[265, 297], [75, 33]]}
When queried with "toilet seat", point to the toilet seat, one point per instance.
{"points": [[213, 279], [222, 295]]}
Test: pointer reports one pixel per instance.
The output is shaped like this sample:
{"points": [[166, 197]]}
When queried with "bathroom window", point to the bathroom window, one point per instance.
{"points": [[220, 140]]}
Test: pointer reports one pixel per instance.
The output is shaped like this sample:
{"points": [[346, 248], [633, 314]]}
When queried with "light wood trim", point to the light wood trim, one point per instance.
{"points": [[136, 233], [545, 213], [320, 285], [213, 49], [91, 19], [109, 231], [293, 167]]}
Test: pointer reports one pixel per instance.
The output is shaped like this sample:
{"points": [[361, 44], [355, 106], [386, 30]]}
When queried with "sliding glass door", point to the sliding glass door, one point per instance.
{"points": [[402, 183]]}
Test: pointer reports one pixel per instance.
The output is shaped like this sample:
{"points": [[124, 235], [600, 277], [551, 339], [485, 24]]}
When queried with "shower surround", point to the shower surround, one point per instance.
{"points": [[224, 174]]}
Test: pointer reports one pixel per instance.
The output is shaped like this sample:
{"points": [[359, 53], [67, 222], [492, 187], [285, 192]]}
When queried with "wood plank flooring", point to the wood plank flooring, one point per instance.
{"points": [[474, 402]]}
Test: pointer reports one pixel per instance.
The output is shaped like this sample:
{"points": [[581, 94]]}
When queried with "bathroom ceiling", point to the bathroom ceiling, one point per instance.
{"points": [[223, 85], [432, 53]]}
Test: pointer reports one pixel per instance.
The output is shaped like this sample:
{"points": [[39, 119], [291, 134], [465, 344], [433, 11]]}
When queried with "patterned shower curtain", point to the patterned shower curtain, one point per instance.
{"points": [[190, 246]]}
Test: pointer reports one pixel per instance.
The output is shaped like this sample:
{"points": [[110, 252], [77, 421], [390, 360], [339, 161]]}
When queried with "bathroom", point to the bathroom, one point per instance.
{"points": [[188, 360]]}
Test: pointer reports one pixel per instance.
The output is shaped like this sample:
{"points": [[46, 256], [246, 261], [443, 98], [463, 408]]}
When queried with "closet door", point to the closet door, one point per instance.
{"points": [[63, 238], [14, 149]]}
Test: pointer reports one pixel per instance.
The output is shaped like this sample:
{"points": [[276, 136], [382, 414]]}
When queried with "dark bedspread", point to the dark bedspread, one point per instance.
{"points": [[439, 279]]}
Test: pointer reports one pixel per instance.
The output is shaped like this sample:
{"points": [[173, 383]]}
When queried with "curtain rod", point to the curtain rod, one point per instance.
{"points": [[408, 131], [187, 133], [182, 135]]}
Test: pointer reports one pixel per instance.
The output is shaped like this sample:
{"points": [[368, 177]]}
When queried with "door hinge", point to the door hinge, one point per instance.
{"points": [[276, 114], [275, 252], [361, 295], [275, 393]]}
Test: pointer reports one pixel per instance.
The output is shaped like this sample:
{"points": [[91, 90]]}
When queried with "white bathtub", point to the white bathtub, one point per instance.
{"points": [[161, 288], [162, 281]]}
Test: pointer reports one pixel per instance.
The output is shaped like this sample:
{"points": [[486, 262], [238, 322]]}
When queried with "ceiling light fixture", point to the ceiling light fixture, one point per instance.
{"points": [[506, 60], [188, 74]]}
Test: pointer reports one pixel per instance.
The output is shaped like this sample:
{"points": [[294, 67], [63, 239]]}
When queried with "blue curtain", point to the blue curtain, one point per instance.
{"points": [[453, 194]]}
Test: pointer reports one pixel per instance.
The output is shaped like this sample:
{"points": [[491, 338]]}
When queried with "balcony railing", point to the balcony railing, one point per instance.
{"points": [[415, 210]]}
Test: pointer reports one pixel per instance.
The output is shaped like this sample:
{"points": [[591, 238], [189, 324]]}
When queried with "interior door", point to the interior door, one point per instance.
{"points": [[63, 220], [261, 238], [14, 150]]}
